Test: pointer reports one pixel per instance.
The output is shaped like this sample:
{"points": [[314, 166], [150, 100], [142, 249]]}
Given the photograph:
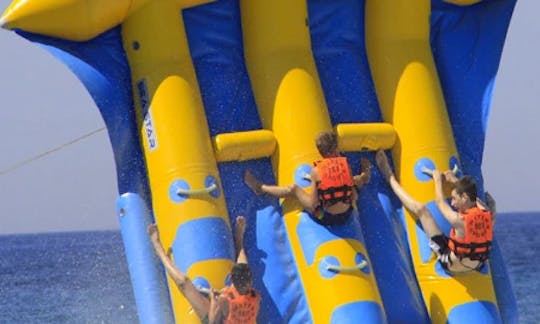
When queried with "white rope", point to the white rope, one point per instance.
{"points": [[39, 156]]}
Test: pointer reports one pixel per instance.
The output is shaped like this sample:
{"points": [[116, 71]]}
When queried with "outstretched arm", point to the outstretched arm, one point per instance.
{"points": [[365, 175], [178, 277], [199, 303], [447, 211], [219, 307]]}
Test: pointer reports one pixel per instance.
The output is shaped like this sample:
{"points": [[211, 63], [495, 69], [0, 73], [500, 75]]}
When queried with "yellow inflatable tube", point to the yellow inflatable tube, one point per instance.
{"points": [[411, 99], [289, 97], [76, 20], [182, 170]]}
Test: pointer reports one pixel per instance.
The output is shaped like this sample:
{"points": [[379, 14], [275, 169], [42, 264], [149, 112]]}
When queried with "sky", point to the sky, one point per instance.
{"points": [[74, 188]]}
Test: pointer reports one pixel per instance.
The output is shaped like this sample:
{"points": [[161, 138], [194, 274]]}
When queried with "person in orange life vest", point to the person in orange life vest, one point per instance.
{"points": [[334, 189], [238, 303], [212, 310], [469, 243], [490, 203]]}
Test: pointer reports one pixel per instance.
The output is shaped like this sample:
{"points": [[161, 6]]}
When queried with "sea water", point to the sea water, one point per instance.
{"points": [[82, 277]]}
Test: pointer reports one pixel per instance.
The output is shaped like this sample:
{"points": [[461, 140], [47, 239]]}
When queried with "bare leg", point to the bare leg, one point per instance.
{"points": [[200, 304], [260, 188], [239, 230], [253, 183], [417, 209], [309, 201]]}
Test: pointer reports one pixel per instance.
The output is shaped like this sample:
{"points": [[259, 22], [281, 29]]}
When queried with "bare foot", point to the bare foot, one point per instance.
{"points": [[240, 226], [253, 183], [384, 166], [153, 232], [239, 229]]}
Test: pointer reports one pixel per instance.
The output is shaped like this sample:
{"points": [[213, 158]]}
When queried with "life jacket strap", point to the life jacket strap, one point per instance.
{"points": [[332, 195], [473, 251]]}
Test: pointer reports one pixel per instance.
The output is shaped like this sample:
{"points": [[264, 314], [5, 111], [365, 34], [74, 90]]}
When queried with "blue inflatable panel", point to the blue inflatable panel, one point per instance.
{"points": [[312, 237], [187, 244], [366, 312], [149, 284], [467, 44], [102, 67], [475, 312]]}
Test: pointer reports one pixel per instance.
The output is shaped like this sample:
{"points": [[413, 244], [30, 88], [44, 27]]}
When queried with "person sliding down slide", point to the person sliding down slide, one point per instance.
{"points": [[334, 190], [469, 244], [238, 303]]}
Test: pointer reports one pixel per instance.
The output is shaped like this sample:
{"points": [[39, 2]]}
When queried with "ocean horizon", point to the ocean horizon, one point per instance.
{"points": [[82, 277]]}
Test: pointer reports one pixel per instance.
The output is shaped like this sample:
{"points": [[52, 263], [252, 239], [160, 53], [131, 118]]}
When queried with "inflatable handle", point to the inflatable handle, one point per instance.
{"points": [[342, 269], [355, 137], [429, 172], [241, 146], [187, 192], [204, 290]]}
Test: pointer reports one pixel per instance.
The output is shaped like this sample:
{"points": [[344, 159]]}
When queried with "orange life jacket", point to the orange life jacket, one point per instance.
{"points": [[243, 309], [476, 243], [336, 182]]}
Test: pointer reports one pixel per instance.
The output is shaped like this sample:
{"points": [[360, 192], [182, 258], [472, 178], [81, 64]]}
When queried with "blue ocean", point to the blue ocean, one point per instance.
{"points": [[82, 277]]}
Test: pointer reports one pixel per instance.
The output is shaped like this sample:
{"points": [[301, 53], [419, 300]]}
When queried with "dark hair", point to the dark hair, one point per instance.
{"points": [[327, 143], [467, 185], [241, 276]]}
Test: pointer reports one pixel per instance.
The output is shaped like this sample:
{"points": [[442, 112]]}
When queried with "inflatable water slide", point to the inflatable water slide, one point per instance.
{"points": [[194, 93]]}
